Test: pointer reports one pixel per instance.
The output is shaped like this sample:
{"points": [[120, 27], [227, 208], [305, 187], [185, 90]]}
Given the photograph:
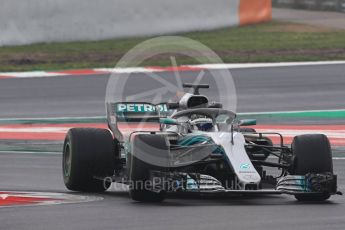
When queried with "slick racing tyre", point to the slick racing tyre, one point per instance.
{"points": [[145, 148], [88, 158], [312, 154]]}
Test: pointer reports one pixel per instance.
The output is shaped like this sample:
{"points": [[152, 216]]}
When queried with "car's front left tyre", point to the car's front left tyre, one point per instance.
{"points": [[88, 158]]}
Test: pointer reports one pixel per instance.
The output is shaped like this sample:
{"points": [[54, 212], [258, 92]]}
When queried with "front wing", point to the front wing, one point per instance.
{"points": [[205, 184]]}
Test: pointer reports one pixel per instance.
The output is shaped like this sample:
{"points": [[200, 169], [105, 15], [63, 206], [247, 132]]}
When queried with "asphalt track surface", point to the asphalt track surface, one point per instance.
{"points": [[258, 89], [262, 89], [42, 172]]}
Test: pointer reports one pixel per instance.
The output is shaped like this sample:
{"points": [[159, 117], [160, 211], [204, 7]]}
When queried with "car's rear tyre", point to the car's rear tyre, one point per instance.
{"points": [[312, 154], [144, 149], [88, 158]]}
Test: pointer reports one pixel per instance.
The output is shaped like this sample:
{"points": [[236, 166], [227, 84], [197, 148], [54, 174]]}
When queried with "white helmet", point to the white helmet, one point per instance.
{"points": [[202, 124]]}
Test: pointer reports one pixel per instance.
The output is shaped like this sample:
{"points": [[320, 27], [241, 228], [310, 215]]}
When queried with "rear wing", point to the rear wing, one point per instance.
{"points": [[133, 113]]}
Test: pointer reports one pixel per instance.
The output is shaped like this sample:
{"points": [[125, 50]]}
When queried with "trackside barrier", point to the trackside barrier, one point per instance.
{"points": [[33, 21], [327, 5], [255, 11]]}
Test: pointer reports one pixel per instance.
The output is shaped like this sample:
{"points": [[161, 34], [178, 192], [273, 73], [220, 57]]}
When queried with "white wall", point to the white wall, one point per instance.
{"points": [[31, 21]]}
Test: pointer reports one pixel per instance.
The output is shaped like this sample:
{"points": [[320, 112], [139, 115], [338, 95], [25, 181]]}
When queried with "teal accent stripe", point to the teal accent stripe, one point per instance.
{"points": [[323, 114], [192, 140]]}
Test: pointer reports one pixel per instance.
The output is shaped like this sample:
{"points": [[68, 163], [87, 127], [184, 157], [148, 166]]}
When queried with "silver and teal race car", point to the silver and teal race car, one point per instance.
{"points": [[193, 146]]}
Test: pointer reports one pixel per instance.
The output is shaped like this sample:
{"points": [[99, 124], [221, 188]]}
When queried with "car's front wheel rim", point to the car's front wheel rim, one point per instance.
{"points": [[67, 161]]}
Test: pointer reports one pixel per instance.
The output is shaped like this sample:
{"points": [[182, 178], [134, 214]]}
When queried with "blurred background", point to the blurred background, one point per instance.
{"points": [[63, 34], [286, 58]]}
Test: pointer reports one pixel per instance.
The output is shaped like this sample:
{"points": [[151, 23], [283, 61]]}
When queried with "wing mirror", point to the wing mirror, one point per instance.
{"points": [[247, 122]]}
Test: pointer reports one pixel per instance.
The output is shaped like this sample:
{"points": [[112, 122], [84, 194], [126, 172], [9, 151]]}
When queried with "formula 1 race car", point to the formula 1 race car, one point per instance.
{"points": [[193, 146]]}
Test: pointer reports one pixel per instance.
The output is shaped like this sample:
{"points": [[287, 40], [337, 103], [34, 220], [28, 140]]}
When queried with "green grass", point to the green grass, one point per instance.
{"points": [[270, 42]]}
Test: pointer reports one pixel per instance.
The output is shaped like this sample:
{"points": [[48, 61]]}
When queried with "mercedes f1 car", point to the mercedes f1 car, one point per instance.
{"points": [[193, 146]]}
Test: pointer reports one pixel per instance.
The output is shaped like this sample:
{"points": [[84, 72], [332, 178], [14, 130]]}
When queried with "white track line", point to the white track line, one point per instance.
{"points": [[37, 74], [127, 70], [33, 74]]}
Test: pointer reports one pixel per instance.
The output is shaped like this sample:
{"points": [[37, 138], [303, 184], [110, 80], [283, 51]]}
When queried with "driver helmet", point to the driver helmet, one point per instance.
{"points": [[202, 124]]}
